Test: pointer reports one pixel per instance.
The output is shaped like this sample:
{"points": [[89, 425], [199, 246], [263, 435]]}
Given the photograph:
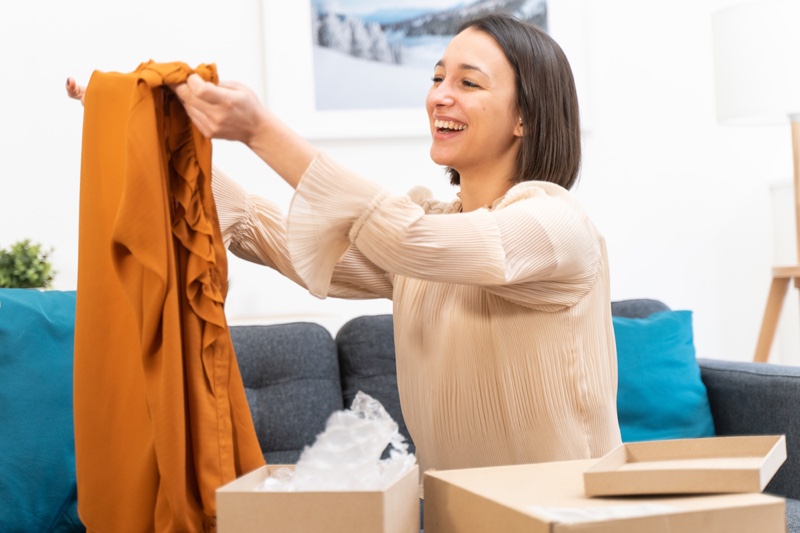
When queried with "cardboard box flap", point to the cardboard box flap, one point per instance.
{"points": [[688, 466]]}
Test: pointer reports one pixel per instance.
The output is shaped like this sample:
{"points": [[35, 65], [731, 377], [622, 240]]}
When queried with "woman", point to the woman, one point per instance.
{"points": [[503, 332]]}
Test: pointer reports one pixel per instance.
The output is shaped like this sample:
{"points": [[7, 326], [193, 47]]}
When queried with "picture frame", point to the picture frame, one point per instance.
{"points": [[289, 77]]}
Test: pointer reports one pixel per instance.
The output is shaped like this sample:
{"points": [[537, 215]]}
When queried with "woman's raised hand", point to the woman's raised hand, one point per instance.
{"points": [[78, 92], [232, 111], [228, 110]]}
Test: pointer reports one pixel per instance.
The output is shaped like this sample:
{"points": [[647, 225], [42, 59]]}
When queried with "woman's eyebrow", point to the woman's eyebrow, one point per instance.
{"points": [[467, 66], [463, 66]]}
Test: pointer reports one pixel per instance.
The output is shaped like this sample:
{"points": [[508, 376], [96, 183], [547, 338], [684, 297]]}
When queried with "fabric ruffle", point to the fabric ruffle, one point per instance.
{"points": [[206, 285], [191, 225]]}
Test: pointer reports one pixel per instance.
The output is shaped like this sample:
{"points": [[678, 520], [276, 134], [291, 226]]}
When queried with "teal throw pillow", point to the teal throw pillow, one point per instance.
{"points": [[37, 450], [660, 394]]}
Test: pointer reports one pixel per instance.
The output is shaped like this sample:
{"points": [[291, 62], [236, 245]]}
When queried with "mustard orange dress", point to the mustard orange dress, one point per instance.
{"points": [[161, 418]]}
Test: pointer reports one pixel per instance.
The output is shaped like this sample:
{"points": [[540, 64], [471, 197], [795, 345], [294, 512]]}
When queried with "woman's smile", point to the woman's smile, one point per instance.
{"points": [[448, 126]]}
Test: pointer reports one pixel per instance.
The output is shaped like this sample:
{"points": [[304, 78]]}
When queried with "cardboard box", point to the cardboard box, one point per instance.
{"points": [[688, 466], [549, 498], [242, 509]]}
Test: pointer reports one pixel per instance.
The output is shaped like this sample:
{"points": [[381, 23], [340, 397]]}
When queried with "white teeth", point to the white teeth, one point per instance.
{"points": [[450, 125]]}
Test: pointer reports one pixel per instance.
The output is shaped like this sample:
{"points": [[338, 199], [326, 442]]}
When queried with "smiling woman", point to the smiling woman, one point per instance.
{"points": [[502, 317]]}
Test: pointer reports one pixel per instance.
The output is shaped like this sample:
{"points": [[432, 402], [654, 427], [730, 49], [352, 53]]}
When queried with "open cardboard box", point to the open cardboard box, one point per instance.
{"points": [[243, 509], [688, 466], [549, 498]]}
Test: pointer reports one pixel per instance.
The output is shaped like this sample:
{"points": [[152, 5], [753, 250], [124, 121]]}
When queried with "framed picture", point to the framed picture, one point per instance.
{"points": [[356, 71]]}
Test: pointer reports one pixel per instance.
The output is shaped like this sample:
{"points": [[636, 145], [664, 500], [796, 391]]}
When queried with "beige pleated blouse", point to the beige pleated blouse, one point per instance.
{"points": [[503, 332]]}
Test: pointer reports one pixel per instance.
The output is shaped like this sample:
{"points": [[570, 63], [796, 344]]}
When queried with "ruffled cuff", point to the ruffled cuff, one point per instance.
{"points": [[327, 210], [231, 201]]}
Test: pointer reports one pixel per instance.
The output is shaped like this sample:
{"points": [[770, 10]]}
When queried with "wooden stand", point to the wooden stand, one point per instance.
{"points": [[781, 276]]}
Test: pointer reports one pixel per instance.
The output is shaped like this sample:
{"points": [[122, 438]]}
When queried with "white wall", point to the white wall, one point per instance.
{"points": [[684, 203]]}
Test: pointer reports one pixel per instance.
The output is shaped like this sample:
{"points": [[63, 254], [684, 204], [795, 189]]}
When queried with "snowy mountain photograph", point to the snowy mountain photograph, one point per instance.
{"points": [[380, 54]]}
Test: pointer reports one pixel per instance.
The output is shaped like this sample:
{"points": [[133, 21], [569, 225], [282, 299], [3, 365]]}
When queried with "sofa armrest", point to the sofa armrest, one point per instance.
{"points": [[758, 399]]}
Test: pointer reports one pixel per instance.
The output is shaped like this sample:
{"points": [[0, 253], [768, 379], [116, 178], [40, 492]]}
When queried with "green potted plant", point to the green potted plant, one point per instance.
{"points": [[26, 265]]}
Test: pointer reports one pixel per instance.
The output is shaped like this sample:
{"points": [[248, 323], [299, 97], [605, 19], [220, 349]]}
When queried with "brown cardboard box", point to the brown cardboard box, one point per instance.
{"points": [[688, 466], [242, 509], [549, 498]]}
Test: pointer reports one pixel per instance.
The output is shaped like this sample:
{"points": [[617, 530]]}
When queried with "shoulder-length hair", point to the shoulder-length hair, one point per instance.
{"points": [[546, 98]]}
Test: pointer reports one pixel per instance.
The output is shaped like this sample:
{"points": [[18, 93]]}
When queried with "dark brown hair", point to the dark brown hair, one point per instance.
{"points": [[546, 99]]}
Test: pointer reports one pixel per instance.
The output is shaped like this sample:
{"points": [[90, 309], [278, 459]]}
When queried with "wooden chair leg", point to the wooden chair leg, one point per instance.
{"points": [[777, 293]]}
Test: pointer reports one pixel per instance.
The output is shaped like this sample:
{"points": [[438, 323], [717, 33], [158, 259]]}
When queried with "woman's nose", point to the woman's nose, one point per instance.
{"points": [[440, 95]]}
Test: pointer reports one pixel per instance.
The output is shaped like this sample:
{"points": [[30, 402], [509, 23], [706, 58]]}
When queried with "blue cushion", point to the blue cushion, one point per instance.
{"points": [[37, 451], [661, 394]]}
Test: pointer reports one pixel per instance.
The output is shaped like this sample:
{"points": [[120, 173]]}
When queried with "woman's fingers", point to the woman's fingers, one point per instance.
{"points": [[226, 111], [198, 85], [194, 97], [206, 91], [78, 92], [233, 85], [195, 93], [183, 92], [200, 120]]}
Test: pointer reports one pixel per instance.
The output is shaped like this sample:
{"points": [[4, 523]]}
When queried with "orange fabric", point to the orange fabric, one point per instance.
{"points": [[161, 418]]}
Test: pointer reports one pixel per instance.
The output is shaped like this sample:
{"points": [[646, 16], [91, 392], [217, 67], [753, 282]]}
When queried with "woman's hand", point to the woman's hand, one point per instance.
{"points": [[228, 110], [78, 92], [232, 111]]}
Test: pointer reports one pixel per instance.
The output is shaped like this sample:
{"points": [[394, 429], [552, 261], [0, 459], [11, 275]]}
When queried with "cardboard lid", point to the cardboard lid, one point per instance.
{"points": [[688, 466]]}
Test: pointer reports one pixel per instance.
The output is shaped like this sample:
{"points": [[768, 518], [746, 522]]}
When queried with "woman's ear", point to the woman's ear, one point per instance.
{"points": [[519, 130]]}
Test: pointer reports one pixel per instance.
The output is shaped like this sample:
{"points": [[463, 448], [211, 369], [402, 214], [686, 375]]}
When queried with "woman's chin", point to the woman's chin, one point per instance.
{"points": [[441, 159]]}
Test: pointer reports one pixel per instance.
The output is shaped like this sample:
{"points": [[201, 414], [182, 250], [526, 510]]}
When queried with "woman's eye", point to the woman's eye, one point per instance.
{"points": [[469, 84], [437, 79]]}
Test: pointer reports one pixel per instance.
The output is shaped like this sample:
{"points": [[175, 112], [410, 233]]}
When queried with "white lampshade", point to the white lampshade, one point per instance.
{"points": [[757, 62]]}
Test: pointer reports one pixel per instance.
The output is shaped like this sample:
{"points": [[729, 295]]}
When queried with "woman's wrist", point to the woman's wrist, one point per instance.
{"points": [[286, 152], [259, 134]]}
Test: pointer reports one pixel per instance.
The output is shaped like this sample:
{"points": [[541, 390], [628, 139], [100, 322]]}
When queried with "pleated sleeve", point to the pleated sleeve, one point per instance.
{"points": [[536, 247], [254, 229]]}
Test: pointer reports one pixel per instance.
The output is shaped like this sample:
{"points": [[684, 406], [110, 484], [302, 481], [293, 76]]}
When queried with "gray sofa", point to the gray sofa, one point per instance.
{"points": [[297, 374]]}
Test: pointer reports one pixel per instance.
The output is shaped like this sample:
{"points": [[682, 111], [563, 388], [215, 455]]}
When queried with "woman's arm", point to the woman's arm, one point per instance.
{"points": [[254, 229], [536, 248], [232, 111]]}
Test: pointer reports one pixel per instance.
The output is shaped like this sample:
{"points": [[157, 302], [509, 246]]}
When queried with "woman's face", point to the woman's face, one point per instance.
{"points": [[472, 106]]}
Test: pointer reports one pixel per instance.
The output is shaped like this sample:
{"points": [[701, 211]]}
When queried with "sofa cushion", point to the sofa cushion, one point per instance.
{"points": [[660, 394], [37, 450], [367, 363], [291, 378]]}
